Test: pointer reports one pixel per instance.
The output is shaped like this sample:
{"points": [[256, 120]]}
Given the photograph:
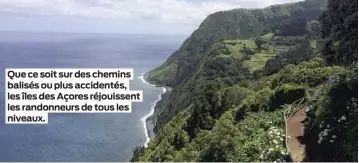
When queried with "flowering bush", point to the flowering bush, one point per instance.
{"points": [[334, 126], [275, 151]]}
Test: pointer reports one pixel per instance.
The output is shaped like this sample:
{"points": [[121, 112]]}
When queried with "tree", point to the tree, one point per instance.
{"points": [[137, 152], [258, 43], [339, 27], [294, 55]]}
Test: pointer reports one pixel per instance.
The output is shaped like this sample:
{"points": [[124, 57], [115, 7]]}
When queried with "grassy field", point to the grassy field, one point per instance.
{"points": [[259, 58], [313, 43], [234, 47], [267, 36]]}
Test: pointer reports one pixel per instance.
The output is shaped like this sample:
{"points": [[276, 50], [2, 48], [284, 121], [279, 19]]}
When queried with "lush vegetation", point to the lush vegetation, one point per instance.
{"points": [[340, 28], [234, 77]]}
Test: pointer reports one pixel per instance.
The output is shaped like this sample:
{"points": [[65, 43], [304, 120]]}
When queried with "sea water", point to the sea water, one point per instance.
{"points": [[82, 137]]}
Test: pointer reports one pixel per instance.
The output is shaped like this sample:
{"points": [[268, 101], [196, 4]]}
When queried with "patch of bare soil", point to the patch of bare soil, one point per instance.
{"points": [[295, 133]]}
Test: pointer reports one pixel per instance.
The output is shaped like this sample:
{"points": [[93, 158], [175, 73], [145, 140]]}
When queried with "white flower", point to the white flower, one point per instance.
{"points": [[282, 152], [332, 141], [321, 126], [344, 118], [275, 141], [328, 126], [339, 120], [334, 136], [325, 134], [307, 109], [261, 156], [319, 141]]}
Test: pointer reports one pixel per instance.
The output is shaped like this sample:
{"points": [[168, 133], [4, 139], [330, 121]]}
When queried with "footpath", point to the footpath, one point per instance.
{"points": [[295, 131]]}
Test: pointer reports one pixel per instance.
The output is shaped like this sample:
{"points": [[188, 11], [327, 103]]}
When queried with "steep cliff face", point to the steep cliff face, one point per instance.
{"points": [[181, 68], [239, 76], [222, 25]]}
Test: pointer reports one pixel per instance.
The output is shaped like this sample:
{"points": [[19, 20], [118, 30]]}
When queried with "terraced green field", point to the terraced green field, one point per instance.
{"points": [[259, 58]]}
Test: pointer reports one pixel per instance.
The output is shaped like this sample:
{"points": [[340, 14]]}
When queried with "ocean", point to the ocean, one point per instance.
{"points": [[82, 137]]}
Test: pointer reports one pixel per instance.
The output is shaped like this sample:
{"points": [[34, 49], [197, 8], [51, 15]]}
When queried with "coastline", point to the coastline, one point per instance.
{"points": [[148, 119]]}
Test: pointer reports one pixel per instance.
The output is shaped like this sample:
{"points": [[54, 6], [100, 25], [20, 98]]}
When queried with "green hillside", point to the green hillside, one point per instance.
{"points": [[242, 70], [182, 70]]}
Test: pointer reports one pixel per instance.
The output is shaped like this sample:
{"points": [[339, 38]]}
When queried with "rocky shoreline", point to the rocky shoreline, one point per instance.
{"points": [[151, 120]]}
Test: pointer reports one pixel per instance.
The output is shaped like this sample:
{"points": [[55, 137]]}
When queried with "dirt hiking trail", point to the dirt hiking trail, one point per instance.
{"points": [[295, 133]]}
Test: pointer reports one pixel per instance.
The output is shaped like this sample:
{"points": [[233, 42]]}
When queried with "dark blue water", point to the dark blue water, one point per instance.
{"points": [[81, 137]]}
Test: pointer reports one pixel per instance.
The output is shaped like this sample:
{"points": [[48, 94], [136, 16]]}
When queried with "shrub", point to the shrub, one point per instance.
{"points": [[247, 57], [287, 94]]}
